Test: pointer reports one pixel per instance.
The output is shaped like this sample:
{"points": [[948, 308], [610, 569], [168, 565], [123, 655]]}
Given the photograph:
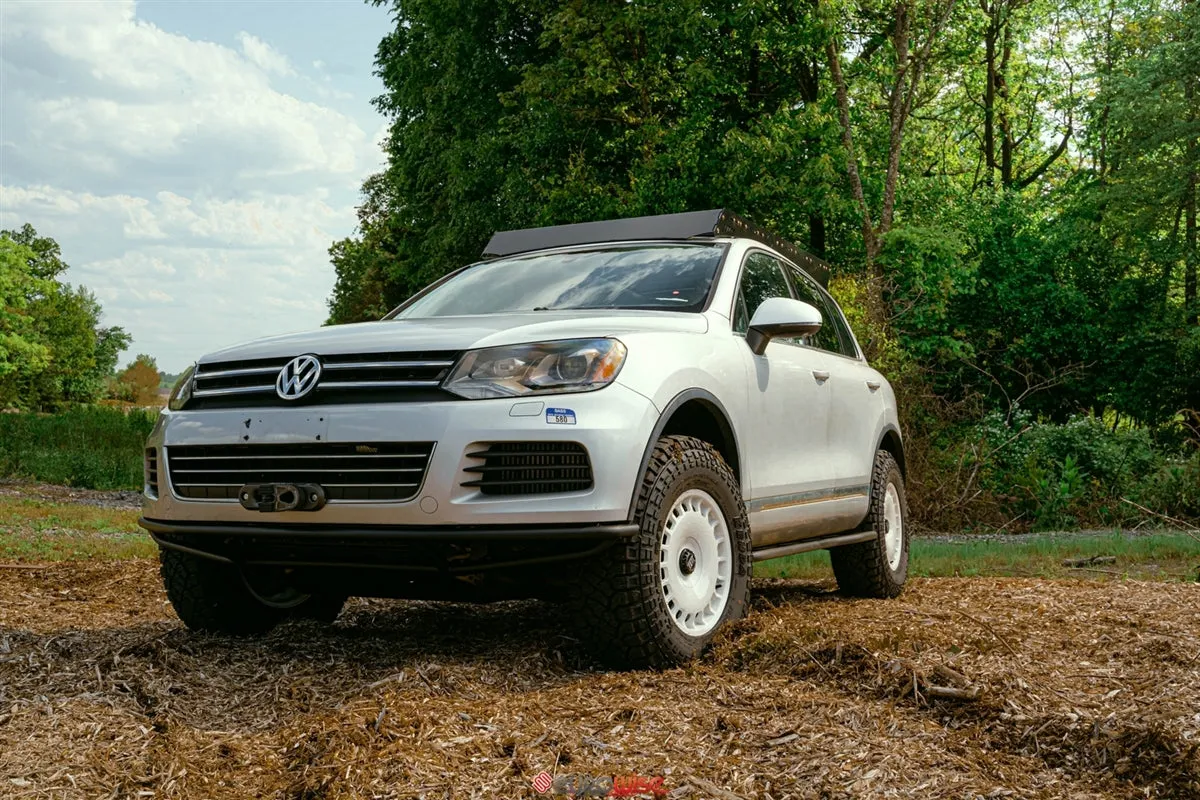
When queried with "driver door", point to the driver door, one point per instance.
{"points": [[789, 402]]}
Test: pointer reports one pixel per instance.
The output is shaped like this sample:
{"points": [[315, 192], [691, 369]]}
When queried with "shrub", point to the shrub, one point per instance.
{"points": [[1173, 490], [90, 447], [1043, 475]]}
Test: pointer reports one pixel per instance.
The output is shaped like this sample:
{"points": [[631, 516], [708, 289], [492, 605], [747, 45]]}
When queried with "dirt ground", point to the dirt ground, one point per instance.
{"points": [[1085, 690]]}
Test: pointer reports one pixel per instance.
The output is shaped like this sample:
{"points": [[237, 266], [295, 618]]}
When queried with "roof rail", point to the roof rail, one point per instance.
{"points": [[687, 225]]}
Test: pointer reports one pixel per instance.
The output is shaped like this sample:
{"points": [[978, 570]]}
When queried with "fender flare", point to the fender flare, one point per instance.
{"points": [[893, 429], [676, 403]]}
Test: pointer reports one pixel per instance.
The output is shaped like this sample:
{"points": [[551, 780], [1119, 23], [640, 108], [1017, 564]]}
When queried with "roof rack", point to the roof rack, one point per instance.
{"points": [[687, 225]]}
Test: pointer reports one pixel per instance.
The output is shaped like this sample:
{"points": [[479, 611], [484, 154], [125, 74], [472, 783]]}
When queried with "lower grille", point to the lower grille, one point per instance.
{"points": [[152, 471], [512, 468], [375, 471]]}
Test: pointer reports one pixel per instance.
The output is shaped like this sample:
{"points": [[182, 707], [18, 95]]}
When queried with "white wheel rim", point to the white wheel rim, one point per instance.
{"points": [[695, 565], [893, 539]]}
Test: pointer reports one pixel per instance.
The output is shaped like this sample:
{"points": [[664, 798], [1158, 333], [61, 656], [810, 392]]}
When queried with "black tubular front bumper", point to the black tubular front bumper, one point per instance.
{"points": [[449, 550]]}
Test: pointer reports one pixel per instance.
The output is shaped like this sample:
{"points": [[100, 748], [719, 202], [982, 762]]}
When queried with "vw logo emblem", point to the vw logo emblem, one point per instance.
{"points": [[298, 377]]}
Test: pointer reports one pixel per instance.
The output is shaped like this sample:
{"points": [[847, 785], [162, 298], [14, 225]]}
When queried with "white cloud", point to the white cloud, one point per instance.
{"points": [[96, 87], [195, 197], [264, 56]]}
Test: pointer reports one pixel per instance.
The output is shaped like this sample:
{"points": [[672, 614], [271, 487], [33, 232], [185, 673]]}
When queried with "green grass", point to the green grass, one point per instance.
{"points": [[1161, 556], [33, 530], [93, 448], [40, 530]]}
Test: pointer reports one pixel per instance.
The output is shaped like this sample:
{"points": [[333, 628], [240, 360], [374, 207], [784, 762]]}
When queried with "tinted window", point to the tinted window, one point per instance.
{"points": [[669, 277], [762, 277], [829, 337]]}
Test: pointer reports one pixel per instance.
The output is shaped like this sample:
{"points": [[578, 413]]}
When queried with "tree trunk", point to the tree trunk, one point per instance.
{"points": [[842, 95], [902, 94], [1189, 204], [989, 98], [1007, 143], [1190, 255], [901, 100], [816, 234]]}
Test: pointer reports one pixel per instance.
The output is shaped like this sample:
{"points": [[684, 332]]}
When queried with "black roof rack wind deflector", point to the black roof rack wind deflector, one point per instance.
{"points": [[687, 225]]}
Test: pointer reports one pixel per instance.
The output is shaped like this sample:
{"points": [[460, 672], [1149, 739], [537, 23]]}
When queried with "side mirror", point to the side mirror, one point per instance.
{"points": [[781, 316]]}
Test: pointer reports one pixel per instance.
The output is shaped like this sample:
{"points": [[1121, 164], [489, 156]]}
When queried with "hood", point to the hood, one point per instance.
{"points": [[462, 333]]}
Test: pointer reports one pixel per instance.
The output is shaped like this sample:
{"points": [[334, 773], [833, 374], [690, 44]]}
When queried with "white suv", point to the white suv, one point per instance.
{"points": [[621, 414]]}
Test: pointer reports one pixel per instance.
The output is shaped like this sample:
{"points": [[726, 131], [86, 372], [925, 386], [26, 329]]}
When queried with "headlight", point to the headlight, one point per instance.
{"points": [[183, 390], [576, 365]]}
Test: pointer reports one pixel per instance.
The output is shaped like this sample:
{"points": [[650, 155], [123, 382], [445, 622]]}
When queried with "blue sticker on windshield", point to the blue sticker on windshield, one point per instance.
{"points": [[560, 416]]}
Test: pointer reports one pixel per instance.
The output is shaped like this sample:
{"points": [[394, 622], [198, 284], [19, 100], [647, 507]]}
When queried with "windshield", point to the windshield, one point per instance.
{"points": [[672, 277]]}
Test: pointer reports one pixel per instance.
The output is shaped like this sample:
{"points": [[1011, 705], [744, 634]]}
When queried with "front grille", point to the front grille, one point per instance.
{"points": [[152, 472], [511, 468], [356, 378], [374, 471]]}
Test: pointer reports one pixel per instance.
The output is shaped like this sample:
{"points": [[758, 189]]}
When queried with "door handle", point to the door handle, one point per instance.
{"points": [[873, 385], [821, 375]]}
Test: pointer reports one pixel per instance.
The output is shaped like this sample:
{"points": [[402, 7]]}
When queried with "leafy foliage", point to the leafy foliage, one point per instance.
{"points": [[1007, 190], [94, 448], [139, 382], [53, 349]]}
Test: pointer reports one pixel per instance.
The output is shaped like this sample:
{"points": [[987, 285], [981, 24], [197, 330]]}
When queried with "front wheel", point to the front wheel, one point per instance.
{"points": [[212, 596], [657, 600], [878, 568]]}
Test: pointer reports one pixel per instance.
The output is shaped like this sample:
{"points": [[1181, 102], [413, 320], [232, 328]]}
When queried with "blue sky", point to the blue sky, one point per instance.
{"points": [[194, 158]]}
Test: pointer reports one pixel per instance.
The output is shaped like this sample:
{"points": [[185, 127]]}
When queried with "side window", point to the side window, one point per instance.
{"points": [[830, 336], [762, 277]]}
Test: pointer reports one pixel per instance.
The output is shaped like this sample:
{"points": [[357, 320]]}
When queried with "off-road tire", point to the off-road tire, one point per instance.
{"points": [[211, 596], [619, 605], [862, 570]]}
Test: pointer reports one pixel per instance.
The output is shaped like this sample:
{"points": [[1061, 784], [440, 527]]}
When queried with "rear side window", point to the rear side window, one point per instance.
{"points": [[762, 278], [833, 336]]}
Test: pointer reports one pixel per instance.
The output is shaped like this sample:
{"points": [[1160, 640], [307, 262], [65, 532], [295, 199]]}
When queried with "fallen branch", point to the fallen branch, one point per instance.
{"points": [[953, 693], [1089, 561], [944, 672], [790, 736], [30, 567], [1183, 526]]}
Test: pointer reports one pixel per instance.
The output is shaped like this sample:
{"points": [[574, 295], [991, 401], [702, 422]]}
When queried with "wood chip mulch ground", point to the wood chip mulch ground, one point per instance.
{"points": [[961, 688]]}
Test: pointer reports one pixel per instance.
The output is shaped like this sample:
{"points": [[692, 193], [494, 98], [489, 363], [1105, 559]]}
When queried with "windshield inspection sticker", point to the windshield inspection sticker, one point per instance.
{"points": [[560, 416]]}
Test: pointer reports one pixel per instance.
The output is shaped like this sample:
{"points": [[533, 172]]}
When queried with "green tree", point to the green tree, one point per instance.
{"points": [[53, 349], [1005, 185], [22, 356]]}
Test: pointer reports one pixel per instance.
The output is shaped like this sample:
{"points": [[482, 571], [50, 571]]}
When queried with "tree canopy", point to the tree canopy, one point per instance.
{"points": [[54, 351], [1006, 188]]}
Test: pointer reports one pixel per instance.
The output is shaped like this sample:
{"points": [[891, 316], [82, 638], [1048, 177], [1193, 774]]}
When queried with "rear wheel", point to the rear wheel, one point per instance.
{"points": [[658, 599], [878, 568]]}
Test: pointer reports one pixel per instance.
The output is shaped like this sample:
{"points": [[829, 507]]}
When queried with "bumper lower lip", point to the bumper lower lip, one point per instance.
{"points": [[383, 533], [377, 548]]}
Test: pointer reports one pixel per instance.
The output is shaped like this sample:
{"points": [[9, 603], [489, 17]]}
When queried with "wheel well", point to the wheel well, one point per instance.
{"points": [[891, 443], [703, 420]]}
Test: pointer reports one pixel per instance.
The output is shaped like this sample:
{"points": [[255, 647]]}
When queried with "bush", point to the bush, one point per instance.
{"points": [[1023, 473], [1173, 490], [89, 447]]}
